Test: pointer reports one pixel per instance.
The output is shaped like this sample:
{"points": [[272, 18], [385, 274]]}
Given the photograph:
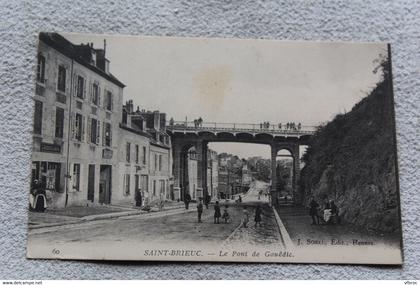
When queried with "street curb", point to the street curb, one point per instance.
{"points": [[97, 218], [287, 241]]}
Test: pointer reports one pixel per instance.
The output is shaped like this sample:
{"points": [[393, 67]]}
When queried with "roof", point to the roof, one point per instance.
{"points": [[135, 131], [68, 49]]}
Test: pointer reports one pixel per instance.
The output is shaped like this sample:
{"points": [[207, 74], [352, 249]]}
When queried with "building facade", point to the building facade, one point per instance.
{"points": [[75, 120], [89, 149], [212, 173], [146, 157]]}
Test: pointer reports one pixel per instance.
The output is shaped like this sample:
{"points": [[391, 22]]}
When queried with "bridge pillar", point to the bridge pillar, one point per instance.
{"points": [[273, 190], [297, 197], [177, 154], [201, 149]]}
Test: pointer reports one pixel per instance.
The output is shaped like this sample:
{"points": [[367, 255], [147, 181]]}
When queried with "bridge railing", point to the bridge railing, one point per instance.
{"points": [[245, 127]]}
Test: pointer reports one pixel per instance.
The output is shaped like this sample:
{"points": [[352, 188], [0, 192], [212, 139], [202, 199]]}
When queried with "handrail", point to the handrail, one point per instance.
{"points": [[270, 128]]}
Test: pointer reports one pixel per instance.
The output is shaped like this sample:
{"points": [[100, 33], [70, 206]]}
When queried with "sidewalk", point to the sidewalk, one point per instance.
{"points": [[74, 215], [298, 224]]}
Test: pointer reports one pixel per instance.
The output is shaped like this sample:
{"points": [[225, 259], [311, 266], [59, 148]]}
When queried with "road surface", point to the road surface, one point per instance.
{"points": [[176, 227]]}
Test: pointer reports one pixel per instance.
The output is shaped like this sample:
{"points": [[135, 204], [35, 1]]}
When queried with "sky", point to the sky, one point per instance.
{"points": [[240, 81]]}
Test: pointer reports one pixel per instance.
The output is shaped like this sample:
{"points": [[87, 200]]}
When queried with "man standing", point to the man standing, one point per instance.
{"points": [[199, 210], [187, 200], [207, 201], [313, 211]]}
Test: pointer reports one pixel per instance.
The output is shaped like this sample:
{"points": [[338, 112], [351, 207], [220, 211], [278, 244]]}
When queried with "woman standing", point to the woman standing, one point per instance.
{"points": [[217, 213]]}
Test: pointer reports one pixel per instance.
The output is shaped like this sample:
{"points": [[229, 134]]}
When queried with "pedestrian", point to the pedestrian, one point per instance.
{"points": [[199, 210], [187, 200], [207, 201], [279, 126], [161, 202], [240, 199], [139, 199], [313, 211], [245, 218], [216, 213], [327, 212], [257, 218], [334, 213], [226, 215]]}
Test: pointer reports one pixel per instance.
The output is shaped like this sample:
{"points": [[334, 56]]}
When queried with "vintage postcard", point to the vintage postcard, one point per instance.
{"points": [[220, 150]]}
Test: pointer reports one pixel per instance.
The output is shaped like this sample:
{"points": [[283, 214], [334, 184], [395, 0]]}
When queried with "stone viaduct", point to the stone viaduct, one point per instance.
{"points": [[189, 134]]}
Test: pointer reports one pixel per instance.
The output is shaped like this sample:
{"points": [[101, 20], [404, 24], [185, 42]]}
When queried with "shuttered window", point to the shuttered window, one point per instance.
{"points": [[59, 122], [61, 80], [40, 72], [38, 118]]}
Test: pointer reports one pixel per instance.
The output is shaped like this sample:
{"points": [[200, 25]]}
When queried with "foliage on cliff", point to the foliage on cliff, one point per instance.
{"points": [[352, 161]]}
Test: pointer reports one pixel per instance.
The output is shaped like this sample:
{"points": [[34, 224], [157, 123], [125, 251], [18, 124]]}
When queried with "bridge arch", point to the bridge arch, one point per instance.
{"points": [[264, 136], [184, 136], [244, 136], [226, 135]]}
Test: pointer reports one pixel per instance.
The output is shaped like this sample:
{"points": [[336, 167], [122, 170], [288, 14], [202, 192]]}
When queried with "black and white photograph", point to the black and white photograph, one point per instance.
{"points": [[213, 150]]}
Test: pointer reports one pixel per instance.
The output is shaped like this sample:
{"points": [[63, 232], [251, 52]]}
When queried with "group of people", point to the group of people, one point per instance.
{"points": [[198, 122], [287, 126], [226, 216], [265, 125], [327, 214], [38, 196], [291, 126]]}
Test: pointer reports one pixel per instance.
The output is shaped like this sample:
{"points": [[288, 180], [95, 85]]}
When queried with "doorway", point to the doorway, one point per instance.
{"points": [[91, 183], [105, 180]]}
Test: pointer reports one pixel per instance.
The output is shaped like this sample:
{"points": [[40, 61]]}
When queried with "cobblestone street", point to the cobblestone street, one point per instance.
{"points": [[175, 226]]}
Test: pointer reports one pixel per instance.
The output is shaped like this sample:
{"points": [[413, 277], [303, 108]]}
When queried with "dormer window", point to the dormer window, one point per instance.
{"points": [[40, 74]]}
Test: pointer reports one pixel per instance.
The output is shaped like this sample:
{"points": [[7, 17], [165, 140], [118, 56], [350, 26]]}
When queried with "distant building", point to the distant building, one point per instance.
{"points": [[246, 176], [223, 187], [145, 156], [212, 173], [191, 185]]}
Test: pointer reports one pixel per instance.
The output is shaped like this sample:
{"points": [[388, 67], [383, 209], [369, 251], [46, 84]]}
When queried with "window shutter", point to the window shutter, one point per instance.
{"points": [[66, 79], [112, 101], [72, 119], [105, 92], [74, 84], [90, 99], [84, 87], [83, 128], [98, 131], [110, 135], [103, 133], [88, 128], [99, 95]]}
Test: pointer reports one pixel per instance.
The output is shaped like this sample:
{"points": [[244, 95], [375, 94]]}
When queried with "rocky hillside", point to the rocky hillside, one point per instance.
{"points": [[352, 161]]}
